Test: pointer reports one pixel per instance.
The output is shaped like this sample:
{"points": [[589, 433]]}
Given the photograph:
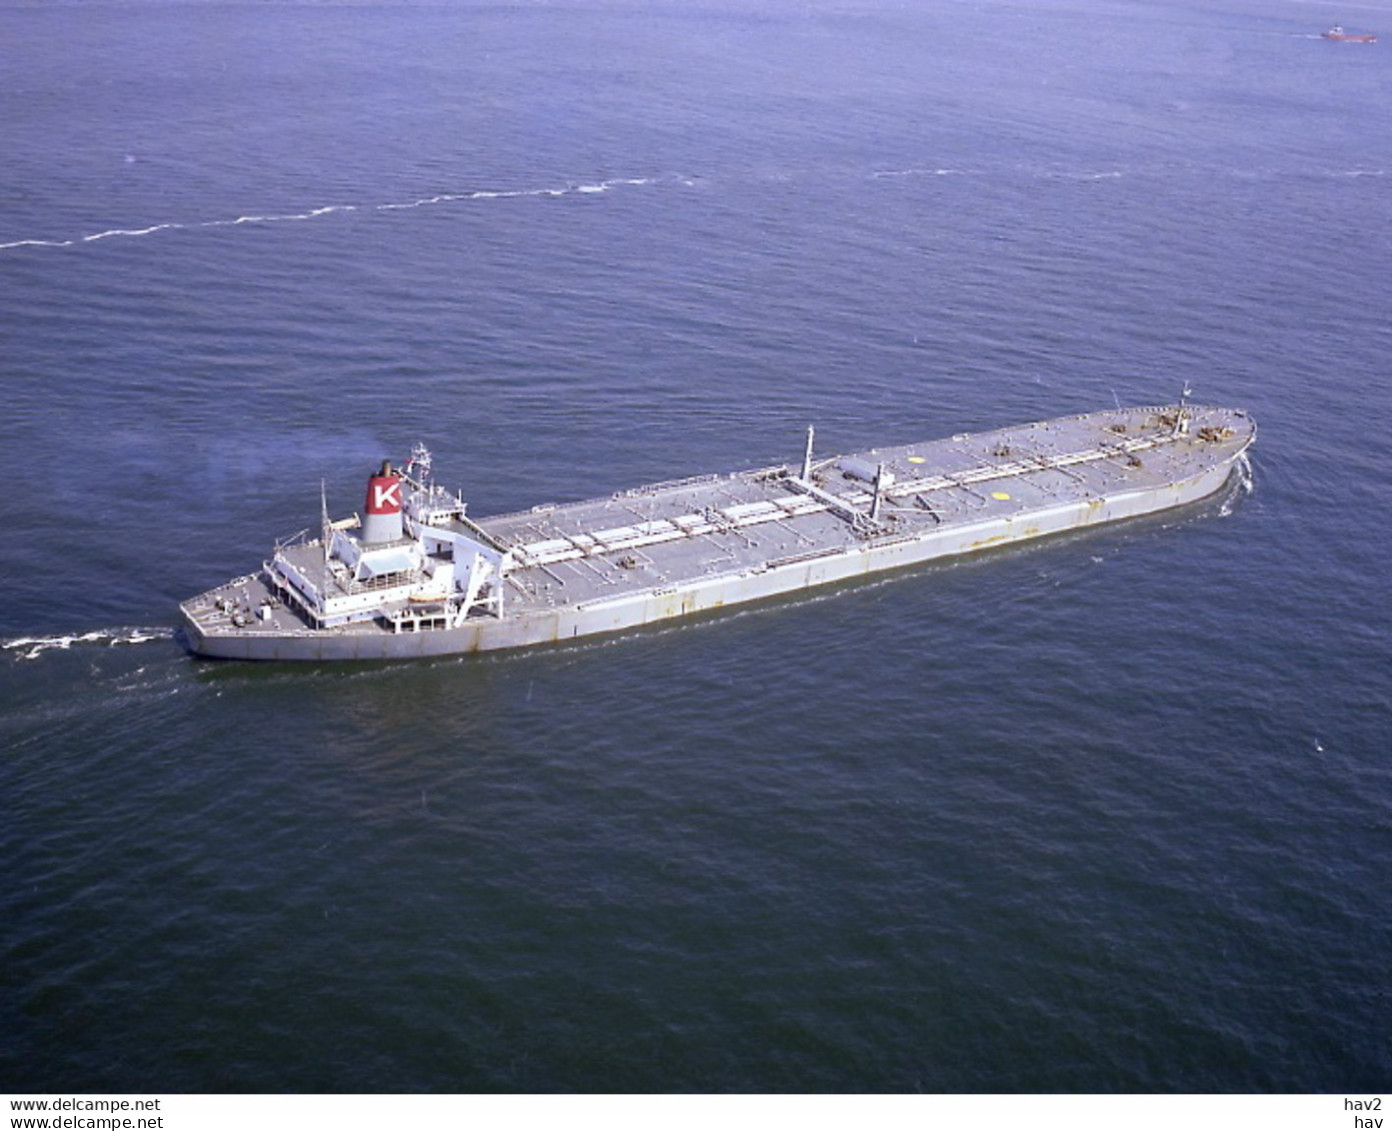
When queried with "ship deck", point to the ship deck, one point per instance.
{"points": [[669, 534]]}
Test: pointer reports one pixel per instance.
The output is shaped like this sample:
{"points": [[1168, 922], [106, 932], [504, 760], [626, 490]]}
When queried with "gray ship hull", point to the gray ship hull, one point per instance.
{"points": [[697, 546]]}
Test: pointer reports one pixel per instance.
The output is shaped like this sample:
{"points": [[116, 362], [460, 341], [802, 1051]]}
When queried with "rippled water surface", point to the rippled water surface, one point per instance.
{"points": [[1103, 814]]}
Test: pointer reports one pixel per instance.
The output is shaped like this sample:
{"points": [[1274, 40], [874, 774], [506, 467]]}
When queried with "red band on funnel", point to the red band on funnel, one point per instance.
{"points": [[383, 494]]}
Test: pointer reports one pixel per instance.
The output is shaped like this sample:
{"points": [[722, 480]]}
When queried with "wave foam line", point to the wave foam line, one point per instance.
{"points": [[884, 173], [330, 209], [111, 637]]}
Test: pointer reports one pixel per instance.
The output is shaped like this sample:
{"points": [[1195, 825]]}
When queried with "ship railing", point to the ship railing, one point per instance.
{"points": [[353, 586], [666, 485]]}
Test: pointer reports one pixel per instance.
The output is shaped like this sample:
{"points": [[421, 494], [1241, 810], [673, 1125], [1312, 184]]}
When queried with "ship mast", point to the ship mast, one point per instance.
{"points": [[325, 529], [1181, 427]]}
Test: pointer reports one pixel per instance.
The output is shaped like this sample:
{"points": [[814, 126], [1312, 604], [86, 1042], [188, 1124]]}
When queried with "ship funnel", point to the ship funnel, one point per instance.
{"points": [[382, 520]]}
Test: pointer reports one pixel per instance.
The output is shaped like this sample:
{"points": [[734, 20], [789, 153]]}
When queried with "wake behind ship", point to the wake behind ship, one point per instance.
{"points": [[422, 578]]}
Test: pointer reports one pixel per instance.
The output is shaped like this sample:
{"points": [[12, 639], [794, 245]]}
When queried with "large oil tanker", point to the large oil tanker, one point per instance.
{"points": [[417, 576]]}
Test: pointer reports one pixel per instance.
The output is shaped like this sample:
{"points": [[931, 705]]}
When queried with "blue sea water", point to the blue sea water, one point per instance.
{"points": [[1105, 814]]}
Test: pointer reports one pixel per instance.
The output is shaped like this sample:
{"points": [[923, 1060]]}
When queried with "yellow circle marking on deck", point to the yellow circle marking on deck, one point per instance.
{"points": [[917, 459], [999, 495]]}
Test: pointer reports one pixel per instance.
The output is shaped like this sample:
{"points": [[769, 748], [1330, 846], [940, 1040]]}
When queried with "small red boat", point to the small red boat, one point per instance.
{"points": [[1338, 33]]}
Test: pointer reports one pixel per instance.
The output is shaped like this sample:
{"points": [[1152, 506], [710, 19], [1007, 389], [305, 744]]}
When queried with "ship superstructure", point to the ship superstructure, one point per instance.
{"points": [[416, 576]]}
